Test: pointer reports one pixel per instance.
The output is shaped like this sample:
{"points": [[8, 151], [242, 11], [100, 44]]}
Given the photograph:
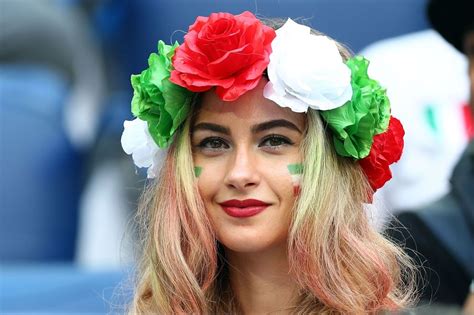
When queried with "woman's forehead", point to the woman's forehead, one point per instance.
{"points": [[251, 107]]}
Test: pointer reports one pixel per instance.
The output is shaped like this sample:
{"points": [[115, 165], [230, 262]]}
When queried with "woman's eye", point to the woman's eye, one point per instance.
{"points": [[275, 141], [213, 143]]}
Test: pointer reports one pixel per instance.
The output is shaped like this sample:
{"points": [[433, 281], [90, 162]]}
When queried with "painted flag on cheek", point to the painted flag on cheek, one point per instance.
{"points": [[296, 171]]}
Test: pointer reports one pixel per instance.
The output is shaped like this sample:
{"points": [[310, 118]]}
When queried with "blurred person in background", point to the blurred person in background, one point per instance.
{"points": [[428, 86], [111, 189], [440, 235]]}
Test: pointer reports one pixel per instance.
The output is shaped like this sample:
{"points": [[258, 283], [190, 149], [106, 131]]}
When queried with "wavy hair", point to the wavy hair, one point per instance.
{"points": [[340, 263]]}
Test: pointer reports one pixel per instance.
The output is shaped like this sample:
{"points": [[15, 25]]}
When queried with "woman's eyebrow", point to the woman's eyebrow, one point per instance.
{"points": [[274, 124], [211, 127]]}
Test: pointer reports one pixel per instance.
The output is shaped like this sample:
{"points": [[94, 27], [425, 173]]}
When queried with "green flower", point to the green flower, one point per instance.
{"points": [[162, 104], [368, 113]]}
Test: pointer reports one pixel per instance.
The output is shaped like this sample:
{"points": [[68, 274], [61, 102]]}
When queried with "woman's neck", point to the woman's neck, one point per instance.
{"points": [[261, 281]]}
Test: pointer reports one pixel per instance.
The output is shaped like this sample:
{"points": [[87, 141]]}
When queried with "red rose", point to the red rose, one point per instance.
{"points": [[223, 50], [386, 149]]}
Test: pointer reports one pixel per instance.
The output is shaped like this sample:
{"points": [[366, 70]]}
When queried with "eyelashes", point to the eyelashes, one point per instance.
{"points": [[274, 141], [217, 144], [214, 144]]}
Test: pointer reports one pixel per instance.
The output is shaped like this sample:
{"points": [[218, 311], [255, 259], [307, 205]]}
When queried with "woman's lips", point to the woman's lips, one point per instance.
{"points": [[243, 208]]}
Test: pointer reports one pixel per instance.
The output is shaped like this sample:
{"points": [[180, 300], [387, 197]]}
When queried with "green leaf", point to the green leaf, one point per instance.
{"points": [[156, 100], [368, 113]]}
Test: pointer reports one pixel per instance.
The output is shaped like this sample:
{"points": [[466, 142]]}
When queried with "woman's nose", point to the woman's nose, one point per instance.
{"points": [[242, 171]]}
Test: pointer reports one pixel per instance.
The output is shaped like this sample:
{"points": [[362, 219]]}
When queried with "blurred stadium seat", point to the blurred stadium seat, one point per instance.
{"points": [[41, 176]]}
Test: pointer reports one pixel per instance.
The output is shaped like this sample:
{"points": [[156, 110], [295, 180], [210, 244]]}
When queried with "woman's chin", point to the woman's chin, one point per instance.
{"points": [[251, 241]]}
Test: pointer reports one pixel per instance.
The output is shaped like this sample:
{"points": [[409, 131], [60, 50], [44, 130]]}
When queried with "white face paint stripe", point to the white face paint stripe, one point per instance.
{"points": [[296, 179]]}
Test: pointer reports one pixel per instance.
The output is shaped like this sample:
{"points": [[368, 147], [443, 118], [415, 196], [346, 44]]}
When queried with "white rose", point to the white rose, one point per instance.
{"points": [[306, 70], [137, 141]]}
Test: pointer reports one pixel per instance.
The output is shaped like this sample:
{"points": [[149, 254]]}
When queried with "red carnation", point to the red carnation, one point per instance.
{"points": [[223, 50], [386, 149]]}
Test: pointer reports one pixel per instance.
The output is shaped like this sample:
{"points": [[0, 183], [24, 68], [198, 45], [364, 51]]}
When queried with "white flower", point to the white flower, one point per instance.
{"points": [[306, 70], [137, 141]]}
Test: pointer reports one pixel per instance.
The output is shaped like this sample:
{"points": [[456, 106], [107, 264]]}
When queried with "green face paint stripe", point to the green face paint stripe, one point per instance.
{"points": [[197, 171], [430, 115], [295, 169]]}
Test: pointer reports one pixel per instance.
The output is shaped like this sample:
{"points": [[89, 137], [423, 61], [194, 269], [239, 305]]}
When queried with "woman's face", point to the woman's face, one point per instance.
{"points": [[243, 153]]}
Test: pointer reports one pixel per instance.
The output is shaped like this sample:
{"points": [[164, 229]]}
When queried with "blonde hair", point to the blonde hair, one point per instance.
{"points": [[340, 263]]}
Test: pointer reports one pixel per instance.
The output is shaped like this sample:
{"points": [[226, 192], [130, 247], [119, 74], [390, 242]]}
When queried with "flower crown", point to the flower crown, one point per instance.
{"points": [[230, 53]]}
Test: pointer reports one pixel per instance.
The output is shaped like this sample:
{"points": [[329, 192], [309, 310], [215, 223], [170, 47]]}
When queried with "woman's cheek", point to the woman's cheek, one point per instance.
{"points": [[208, 177]]}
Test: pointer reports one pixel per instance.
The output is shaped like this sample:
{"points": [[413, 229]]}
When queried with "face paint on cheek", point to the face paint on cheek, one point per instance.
{"points": [[197, 171], [296, 171]]}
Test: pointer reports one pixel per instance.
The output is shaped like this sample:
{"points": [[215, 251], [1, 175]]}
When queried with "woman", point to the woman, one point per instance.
{"points": [[276, 140]]}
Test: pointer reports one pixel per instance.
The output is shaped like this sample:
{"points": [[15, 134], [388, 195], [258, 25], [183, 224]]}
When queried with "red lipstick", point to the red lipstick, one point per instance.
{"points": [[243, 208]]}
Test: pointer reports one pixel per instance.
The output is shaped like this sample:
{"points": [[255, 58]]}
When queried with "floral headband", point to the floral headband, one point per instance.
{"points": [[230, 53]]}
